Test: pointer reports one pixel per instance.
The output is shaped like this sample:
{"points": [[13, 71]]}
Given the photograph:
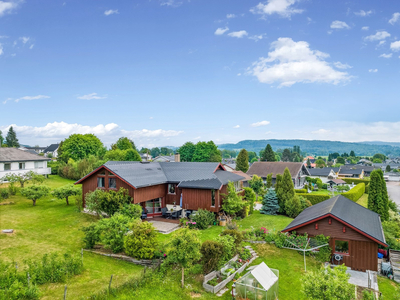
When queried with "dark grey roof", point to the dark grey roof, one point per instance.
{"points": [[356, 167], [346, 210], [188, 174], [51, 148], [17, 155], [31, 151], [350, 171], [321, 171]]}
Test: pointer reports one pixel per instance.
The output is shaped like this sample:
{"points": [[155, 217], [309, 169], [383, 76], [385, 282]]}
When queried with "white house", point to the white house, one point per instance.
{"points": [[52, 149], [17, 161]]}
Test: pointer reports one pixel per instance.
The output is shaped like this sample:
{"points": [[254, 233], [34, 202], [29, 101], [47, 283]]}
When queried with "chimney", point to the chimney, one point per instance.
{"points": [[177, 157]]}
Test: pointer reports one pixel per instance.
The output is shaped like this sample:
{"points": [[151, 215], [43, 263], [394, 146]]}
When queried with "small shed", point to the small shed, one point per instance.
{"points": [[337, 181], [260, 282]]}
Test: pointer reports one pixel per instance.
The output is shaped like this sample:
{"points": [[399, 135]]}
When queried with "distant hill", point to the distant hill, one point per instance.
{"points": [[316, 147]]}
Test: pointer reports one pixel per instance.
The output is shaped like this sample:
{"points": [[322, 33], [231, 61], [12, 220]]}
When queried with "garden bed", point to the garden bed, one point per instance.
{"points": [[222, 281]]}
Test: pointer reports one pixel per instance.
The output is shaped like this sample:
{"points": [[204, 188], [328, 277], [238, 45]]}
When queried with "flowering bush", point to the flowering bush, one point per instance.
{"points": [[191, 225]]}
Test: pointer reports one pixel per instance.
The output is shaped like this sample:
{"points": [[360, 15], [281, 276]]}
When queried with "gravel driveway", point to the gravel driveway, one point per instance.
{"points": [[393, 189]]}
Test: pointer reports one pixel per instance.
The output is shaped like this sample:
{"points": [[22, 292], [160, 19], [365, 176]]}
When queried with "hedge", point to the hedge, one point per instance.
{"points": [[301, 191], [315, 198], [355, 180], [367, 188], [356, 192]]}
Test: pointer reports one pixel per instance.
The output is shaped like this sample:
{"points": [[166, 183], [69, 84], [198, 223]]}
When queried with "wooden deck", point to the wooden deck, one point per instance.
{"points": [[161, 219]]}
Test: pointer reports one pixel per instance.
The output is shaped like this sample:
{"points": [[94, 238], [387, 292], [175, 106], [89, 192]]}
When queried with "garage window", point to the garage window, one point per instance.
{"points": [[341, 247]]}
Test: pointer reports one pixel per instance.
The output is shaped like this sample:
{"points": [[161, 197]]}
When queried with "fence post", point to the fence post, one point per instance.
{"points": [[109, 285], [16, 266], [28, 279], [82, 255], [65, 292]]}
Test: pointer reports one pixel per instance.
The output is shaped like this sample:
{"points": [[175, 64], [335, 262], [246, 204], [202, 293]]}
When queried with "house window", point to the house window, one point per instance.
{"points": [[171, 189], [112, 183], [7, 167], [22, 166], [101, 182], [212, 198], [342, 247], [38, 164]]}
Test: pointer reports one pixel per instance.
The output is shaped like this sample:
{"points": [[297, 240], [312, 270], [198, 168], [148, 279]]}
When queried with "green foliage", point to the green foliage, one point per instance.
{"points": [[285, 190], [379, 156], [4, 194], [270, 203], [340, 160], [203, 218], [236, 234], [269, 181], [80, 146], [67, 191], [391, 230], [141, 242], [300, 191], [293, 206], [320, 163], [257, 184], [122, 155], [112, 231], [206, 152], [124, 143], [377, 161], [184, 248], [268, 154], [35, 192], [356, 192], [315, 198], [186, 151], [232, 202], [133, 211], [228, 244], [252, 156], [250, 197], [1, 138], [211, 252], [378, 200], [388, 168], [327, 284], [11, 138], [368, 295], [242, 161], [91, 235], [245, 254], [22, 178], [80, 168], [356, 180], [392, 205], [108, 202]]}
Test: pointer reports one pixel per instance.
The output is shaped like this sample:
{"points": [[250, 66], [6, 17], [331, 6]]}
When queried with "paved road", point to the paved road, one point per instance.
{"points": [[394, 191]]}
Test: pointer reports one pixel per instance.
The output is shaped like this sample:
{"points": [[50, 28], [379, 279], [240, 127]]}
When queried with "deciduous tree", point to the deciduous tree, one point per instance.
{"points": [[124, 143], [66, 191], [79, 146], [257, 184], [232, 202], [242, 161], [186, 151], [35, 192]]}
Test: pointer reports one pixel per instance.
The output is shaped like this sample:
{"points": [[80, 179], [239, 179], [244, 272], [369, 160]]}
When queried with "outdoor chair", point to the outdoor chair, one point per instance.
{"points": [[179, 214], [164, 212], [188, 213], [144, 214], [175, 214]]}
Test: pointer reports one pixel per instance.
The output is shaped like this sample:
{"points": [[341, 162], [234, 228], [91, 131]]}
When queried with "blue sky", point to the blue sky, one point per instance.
{"points": [[164, 72]]}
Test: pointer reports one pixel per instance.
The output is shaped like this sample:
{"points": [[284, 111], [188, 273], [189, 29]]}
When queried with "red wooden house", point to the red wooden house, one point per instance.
{"points": [[355, 231], [192, 185]]}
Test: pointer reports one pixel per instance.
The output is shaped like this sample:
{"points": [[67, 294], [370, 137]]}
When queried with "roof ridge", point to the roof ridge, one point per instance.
{"points": [[359, 204]]}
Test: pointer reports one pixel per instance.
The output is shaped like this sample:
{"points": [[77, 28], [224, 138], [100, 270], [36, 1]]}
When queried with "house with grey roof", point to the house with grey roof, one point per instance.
{"points": [[355, 231], [191, 185], [325, 174], [52, 149], [17, 161]]}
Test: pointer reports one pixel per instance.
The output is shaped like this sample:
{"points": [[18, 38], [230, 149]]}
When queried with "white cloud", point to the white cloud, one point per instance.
{"points": [[384, 55], [373, 70], [256, 38], [381, 43], [339, 25], [24, 39], [321, 131], [231, 16], [172, 3], [108, 133], [7, 7], [221, 31], [3, 37], [363, 13], [91, 97], [340, 65], [111, 12], [292, 62], [395, 46], [395, 18], [31, 46], [261, 123], [379, 35], [238, 34], [237, 126], [1, 49], [283, 8], [26, 98], [365, 28]]}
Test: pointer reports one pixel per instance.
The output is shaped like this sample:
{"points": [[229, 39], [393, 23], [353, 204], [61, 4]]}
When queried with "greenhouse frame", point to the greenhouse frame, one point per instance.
{"points": [[260, 283]]}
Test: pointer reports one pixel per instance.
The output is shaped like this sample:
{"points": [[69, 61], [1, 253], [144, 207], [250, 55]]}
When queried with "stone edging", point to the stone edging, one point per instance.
{"points": [[142, 262]]}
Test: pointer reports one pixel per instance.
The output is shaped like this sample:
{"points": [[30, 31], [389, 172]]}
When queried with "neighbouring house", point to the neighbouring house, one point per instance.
{"points": [[246, 178], [297, 170], [336, 182], [16, 161], [355, 231], [192, 185], [37, 149], [230, 167], [52, 149], [28, 150], [391, 176], [145, 156], [168, 158], [357, 171], [325, 174]]}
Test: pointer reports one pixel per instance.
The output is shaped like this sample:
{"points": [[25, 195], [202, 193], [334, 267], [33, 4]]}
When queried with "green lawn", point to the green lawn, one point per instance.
{"points": [[363, 200], [52, 226]]}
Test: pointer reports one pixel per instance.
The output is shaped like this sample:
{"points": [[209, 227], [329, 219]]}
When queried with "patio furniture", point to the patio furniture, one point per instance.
{"points": [[164, 212], [144, 214], [194, 212], [174, 214], [188, 213]]}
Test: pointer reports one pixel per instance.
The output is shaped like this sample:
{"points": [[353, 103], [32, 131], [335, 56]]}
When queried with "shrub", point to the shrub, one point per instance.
{"points": [[211, 252], [393, 206], [12, 189], [356, 180], [301, 191], [356, 192], [18, 290], [293, 206], [4, 194], [108, 202], [368, 295], [112, 231], [141, 242], [92, 235], [324, 253], [324, 186], [203, 218], [133, 211], [228, 244], [245, 254], [367, 188], [232, 201], [236, 234], [250, 197], [315, 198]]}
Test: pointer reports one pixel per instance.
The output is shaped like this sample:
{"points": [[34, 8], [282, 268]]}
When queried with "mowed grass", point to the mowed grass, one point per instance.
{"points": [[52, 226], [363, 200]]}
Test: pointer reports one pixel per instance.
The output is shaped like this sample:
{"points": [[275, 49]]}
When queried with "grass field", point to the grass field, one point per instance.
{"points": [[53, 226]]}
